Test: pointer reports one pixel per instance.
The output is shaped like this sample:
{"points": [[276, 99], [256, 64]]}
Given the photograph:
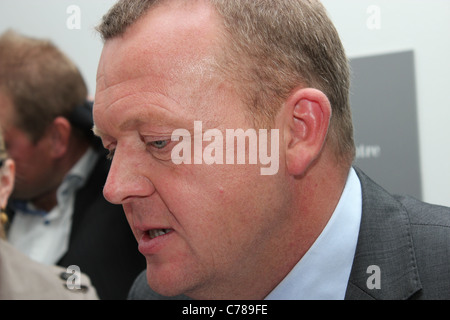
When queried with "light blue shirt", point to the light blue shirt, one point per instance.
{"points": [[44, 236], [323, 272]]}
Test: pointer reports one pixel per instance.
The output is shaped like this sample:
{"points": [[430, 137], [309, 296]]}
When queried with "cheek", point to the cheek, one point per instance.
{"points": [[24, 167], [22, 151], [216, 209]]}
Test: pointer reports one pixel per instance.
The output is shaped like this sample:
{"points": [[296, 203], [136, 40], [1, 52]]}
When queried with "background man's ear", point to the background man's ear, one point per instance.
{"points": [[60, 131], [307, 118]]}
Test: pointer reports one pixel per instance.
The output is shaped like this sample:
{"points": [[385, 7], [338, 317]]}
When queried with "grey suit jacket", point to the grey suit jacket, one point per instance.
{"points": [[403, 250], [22, 278]]}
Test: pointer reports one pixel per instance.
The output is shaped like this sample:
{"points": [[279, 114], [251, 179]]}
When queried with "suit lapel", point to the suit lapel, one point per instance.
{"points": [[88, 194], [386, 243]]}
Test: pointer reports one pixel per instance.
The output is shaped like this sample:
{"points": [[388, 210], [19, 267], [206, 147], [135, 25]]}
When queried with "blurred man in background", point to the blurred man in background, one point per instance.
{"points": [[57, 211]]}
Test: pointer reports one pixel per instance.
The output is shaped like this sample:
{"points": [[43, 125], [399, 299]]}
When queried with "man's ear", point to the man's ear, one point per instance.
{"points": [[307, 115], [59, 135]]}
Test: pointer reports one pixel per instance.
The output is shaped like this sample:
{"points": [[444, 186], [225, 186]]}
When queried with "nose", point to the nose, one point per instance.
{"points": [[126, 180]]}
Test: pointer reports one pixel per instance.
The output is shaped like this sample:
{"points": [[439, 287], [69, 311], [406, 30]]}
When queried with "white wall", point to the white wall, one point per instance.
{"points": [[388, 26], [48, 19], [423, 26]]}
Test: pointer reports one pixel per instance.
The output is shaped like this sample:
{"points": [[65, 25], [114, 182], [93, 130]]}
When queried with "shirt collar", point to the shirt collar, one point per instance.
{"points": [[323, 272], [77, 176], [83, 168], [73, 180]]}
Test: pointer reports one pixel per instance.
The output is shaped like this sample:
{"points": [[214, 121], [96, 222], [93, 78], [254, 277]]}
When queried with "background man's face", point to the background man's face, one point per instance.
{"points": [[33, 163], [219, 220]]}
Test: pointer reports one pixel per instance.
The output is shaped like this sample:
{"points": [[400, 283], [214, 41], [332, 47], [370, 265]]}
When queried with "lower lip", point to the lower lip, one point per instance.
{"points": [[148, 246]]}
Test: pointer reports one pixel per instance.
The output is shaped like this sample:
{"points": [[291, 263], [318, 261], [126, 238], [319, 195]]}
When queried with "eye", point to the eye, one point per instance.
{"points": [[159, 149], [160, 144]]}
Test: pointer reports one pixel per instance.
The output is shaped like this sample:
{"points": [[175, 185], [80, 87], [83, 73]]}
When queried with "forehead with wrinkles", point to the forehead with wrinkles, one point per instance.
{"points": [[167, 55], [168, 41]]}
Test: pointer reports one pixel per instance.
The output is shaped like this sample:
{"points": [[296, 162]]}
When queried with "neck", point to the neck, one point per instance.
{"points": [[313, 200], [48, 200], [317, 195]]}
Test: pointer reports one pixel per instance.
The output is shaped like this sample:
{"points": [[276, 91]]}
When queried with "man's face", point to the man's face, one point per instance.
{"points": [[33, 165], [202, 228]]}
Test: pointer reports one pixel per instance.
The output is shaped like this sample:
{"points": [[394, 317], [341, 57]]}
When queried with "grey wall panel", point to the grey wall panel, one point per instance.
{"points": [[383, 100]]}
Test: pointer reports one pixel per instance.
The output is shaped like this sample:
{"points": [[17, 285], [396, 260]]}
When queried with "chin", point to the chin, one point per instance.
{"points": [[166, 284]]}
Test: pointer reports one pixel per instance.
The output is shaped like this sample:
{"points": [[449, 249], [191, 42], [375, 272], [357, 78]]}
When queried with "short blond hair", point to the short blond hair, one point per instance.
{"points": [[272, 48]]}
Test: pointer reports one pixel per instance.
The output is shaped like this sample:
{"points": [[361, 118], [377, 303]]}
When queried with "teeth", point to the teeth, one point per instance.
{"points": [[157, 232]]}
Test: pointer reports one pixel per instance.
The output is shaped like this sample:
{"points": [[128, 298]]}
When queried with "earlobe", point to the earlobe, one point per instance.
{"points": [[308, 113]]}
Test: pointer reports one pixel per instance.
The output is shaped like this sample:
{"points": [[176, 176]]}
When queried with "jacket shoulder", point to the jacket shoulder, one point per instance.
{"points": [[425, 214], [25, 279], [430, 231], [408, 239]]}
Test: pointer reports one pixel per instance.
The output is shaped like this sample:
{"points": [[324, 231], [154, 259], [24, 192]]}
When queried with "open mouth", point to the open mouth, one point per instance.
{"points": [[154, 233]]}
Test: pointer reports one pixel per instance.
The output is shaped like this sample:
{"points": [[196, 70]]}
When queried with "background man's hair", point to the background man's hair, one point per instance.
{"points": [[272, 48], [41, 82]]}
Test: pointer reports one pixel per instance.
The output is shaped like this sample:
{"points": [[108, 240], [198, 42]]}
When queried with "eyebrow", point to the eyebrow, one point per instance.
{"points": [[99, 133], [131, 123], [156, 121], [137, 123]]}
